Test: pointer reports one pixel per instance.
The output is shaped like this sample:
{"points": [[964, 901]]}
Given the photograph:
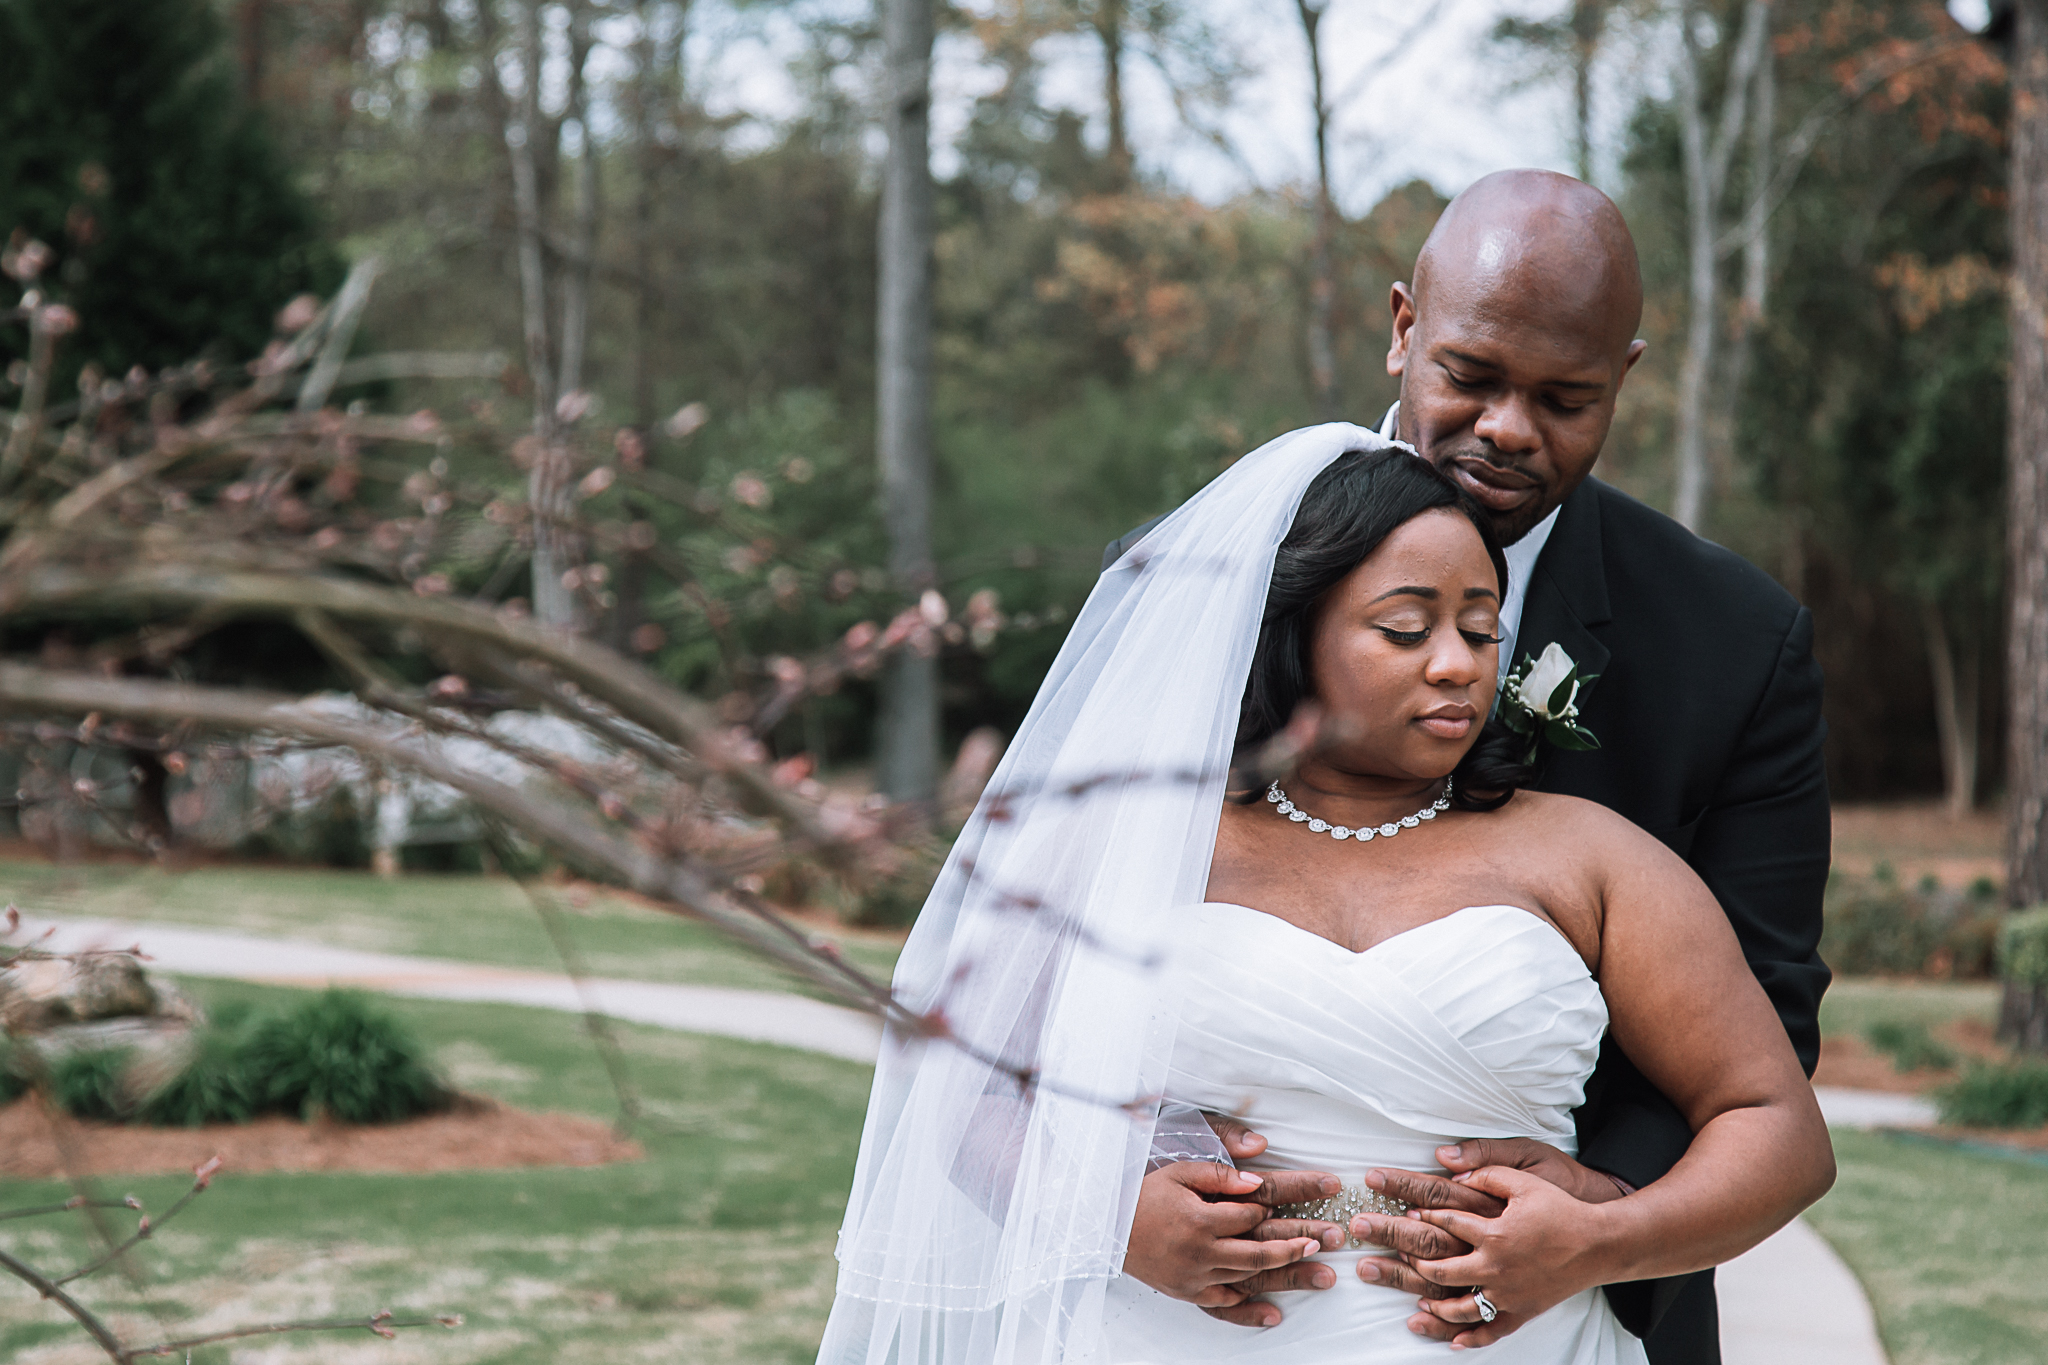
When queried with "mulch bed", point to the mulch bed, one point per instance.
{"points": [[476, 1134], [1850, 1062]]}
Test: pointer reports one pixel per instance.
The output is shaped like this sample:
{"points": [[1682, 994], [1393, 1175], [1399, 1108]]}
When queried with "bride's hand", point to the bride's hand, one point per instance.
{"points": [[1193, 1236], [1541, 1249]]}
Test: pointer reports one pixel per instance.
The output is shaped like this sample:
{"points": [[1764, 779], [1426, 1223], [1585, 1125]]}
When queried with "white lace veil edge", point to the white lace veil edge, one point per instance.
{"points": [[987, 1216]]}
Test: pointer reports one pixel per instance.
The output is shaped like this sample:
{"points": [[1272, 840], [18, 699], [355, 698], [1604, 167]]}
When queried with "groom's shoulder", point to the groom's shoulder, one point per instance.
{"points": [[1650, 555]]}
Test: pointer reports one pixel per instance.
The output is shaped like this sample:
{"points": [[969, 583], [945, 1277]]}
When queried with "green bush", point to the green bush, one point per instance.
{"points": [[2011, 1096], [2023, 948], [340, 1055], [214, 1086], [1875, 925], [87, 1085], [1909, 1045], [13, 1075]]}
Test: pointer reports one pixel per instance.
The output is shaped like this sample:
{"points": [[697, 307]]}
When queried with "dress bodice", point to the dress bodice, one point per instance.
{"points": [[1484, 1023]]}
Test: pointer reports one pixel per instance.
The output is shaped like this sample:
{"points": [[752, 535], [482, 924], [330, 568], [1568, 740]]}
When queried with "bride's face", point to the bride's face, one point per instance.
{"points": [[1403, 653]]}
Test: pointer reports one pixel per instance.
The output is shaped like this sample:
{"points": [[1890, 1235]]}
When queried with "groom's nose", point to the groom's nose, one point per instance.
{"points": [[1509, 425]]}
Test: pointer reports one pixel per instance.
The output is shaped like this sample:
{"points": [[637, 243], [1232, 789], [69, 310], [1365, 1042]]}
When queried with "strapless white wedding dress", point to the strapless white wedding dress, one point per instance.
{"points": [[1485, 1023]]}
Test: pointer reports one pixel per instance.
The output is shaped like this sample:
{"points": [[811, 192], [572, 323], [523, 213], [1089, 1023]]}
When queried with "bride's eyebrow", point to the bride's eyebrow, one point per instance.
{"points": [[1471, 593], [1407, 590]]}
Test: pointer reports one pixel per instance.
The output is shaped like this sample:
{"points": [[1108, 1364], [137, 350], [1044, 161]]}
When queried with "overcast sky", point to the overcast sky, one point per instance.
{"points": [[1450, 108], [1447, 109]]}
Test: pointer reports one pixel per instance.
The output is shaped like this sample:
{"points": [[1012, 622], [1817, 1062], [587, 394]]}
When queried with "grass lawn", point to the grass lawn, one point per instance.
{"points": [[469, 918], [1951, 1248], [717, 1248], [1854, 1003]]}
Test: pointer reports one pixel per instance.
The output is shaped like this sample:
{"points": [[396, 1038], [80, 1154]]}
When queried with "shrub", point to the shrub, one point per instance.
{"points": [[2023, 948], [2011, 1096], [1876, 925], [214, 1086], [1910, 1046], [341, 1055], [13, 1073], [87, 1084]]}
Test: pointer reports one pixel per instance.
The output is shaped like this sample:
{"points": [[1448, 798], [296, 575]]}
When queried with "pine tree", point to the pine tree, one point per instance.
{"points": [[126, 148]]}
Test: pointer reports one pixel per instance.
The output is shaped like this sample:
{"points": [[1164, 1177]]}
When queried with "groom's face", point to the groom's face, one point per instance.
{"points": [[1508, 382]]}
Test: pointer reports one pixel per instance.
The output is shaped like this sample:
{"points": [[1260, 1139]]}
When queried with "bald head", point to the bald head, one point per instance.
{"points": [[1512, 342], [1537, 238]]}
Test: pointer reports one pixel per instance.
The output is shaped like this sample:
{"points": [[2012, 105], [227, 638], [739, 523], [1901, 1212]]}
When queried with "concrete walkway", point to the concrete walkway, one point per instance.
{"points": [[757, 1016], [1790, 1301]]}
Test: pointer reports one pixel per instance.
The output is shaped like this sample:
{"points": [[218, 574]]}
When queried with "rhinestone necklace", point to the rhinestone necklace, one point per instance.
{"points": [[1386, 831]]}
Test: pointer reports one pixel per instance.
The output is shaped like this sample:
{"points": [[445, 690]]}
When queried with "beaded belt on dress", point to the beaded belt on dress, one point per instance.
{"points": [[1341, 1207]]}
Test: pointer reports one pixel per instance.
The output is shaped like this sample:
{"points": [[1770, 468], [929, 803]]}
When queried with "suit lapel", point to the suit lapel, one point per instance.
{"points": [[1568, 590]]}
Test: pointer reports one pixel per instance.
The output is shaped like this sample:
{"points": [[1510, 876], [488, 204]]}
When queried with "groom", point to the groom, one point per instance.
{"points": [[1511, 345]]}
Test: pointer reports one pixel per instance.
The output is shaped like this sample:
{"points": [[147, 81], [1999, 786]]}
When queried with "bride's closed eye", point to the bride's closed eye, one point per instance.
{"points": [[1477, 639]]}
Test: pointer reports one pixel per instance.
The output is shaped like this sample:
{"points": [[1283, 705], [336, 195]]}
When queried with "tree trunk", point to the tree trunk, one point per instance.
{"points": [[647, 165], [908, 752], [1955, 711], [1589, 17], [583, 239], [1706, 160], [251, 21], [1109, 27], [1702, 299], [1322, 285], [548, 481], [2027, 449]]}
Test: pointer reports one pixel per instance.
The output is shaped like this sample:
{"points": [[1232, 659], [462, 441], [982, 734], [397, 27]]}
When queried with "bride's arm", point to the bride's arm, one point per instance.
{"points": [[1689, 1013]]}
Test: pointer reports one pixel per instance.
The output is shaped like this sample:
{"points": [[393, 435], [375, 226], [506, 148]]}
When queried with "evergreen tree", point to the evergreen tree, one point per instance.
{"points": [[126, 147]]}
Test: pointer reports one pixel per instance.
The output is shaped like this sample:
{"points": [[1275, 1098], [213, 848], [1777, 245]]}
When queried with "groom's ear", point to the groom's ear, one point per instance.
{"points": [[1628, 362], [1402, 302]]}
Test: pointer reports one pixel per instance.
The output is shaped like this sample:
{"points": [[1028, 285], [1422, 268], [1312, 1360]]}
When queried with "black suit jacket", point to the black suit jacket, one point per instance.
{"points": [[1708, 712]]}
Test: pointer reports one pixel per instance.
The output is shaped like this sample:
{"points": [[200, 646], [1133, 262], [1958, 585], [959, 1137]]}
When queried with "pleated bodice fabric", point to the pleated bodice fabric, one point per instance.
{"points": [[1484, 1023]]}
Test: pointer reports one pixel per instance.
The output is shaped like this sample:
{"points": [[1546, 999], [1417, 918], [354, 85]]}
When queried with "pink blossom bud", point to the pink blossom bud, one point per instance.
{"points": [[572, 406], [932, 608], [749, 488], [57, 320], [688, 420], [597, 480], [298, 315]]}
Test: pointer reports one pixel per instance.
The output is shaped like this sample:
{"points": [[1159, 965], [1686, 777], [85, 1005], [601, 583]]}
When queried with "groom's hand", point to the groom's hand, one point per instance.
{"points": [[1192, 1237], [1414, 1239]]}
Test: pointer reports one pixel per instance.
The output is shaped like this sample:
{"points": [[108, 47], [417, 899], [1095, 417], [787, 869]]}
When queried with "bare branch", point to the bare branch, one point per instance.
{"points": [[380, 1323], [678, 881], [1756, 218], [85, 1317]]}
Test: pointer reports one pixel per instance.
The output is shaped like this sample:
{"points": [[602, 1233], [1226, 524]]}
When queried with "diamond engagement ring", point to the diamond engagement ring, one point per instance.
{"points": [[1487, 1312]]}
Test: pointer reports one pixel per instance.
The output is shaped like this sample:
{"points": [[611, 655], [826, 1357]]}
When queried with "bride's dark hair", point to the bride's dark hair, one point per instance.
{"points": [[1351, 507]]}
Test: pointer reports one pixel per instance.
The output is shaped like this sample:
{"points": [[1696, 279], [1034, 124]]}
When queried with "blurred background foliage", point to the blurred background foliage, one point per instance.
{"points": [[1105, 342]]}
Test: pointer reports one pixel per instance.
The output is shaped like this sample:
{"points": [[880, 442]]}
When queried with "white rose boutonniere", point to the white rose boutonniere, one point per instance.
{"points": [[1540, 699]]}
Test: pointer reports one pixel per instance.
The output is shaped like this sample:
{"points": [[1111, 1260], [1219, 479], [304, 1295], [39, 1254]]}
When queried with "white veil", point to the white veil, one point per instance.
{"points": [[988, 1217]]}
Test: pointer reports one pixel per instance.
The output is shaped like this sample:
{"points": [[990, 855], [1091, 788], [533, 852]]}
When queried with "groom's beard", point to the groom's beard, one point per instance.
{"points": [[1509, 524]]}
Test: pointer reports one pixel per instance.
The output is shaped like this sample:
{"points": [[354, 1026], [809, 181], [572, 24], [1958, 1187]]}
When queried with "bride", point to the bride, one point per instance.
{"points": [[1393, 950]]}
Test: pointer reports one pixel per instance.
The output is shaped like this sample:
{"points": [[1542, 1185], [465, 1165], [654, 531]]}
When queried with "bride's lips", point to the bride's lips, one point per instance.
{"points": [[1449, 722], [1497, 489]]}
